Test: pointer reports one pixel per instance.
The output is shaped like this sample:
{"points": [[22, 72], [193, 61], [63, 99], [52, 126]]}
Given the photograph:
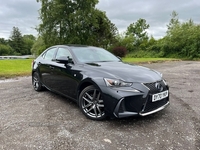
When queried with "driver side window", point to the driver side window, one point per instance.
{"points": [[49, 55], [62, 52]]}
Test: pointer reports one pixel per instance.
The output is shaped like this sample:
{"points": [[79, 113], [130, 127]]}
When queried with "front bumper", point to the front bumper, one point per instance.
{"points": [[135, 102], [138, 106], [154, 111]]}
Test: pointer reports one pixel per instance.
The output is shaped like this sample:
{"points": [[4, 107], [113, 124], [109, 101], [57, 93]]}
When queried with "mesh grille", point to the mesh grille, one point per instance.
{"points": [[154, 105], [153, 90], [143, 104], [152, 87]]}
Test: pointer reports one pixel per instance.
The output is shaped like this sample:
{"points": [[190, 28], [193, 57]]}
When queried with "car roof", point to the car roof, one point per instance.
{"points": [[76, 45], [72, 45]]}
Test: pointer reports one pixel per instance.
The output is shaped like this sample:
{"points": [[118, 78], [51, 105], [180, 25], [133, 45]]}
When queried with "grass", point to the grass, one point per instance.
{"points": [[15, 67], [22, 67], [147, 60]]}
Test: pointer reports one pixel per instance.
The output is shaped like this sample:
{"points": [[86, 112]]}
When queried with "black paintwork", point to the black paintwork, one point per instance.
{"points": [[69, 78]]}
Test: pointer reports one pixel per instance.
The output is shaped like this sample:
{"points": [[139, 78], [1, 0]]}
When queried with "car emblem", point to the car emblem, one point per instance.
{"points": [[158, 86]]}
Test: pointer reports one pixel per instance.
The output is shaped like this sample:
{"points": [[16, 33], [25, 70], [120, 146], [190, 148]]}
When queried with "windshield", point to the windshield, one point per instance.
{"points": [[93, 54]]}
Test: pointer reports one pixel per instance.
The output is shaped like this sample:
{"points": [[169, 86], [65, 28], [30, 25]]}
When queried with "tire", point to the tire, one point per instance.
{"points": [[37, 85], [91, 103]]}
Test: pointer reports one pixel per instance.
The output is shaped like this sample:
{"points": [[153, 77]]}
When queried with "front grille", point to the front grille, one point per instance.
{"points": [[150, 106], [139, 103], [152, 87]]}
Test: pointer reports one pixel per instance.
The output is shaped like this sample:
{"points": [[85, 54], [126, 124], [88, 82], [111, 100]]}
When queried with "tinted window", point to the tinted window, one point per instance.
{"points": [[62, 52], [49, 55]]}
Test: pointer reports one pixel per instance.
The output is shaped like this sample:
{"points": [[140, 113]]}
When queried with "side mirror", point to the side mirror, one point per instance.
{"points": [[64, 60]]}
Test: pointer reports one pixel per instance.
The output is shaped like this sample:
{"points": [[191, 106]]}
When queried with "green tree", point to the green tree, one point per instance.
{"points": [[138, 31], [182, 39], [123, 40], [38, 47], [168, 47], [3, 41], [5, 48], [102, 32], [74, 22], [28, 43], [63, 20], [174, 21], [16, 41]]}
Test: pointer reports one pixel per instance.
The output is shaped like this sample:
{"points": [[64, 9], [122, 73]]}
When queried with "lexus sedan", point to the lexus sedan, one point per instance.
{"points": [[100, 83]]}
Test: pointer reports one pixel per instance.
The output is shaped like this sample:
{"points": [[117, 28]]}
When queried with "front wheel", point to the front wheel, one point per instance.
{"points": [[37, 85], [91, 103]]}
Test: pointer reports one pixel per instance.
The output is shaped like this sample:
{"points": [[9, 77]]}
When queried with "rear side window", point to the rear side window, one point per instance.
{"points": [[49, 55]]}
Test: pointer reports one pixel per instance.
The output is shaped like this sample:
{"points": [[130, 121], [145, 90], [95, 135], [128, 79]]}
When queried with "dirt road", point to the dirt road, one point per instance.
{"points": [[46, 121]]}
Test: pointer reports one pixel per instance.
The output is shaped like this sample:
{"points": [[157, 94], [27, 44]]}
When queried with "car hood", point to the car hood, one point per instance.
{"points": [[124, 71]]}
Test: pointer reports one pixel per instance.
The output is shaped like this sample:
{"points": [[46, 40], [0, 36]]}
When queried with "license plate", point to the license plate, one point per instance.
{"points": [[159, 96]]}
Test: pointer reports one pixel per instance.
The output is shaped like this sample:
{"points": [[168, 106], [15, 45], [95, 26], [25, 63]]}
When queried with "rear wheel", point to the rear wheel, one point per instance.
{"points": [[37, 85], [91, 103]]}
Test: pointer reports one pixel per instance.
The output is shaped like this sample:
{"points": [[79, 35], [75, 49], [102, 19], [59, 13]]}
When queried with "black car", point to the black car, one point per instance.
{"points": [[100, 82]]}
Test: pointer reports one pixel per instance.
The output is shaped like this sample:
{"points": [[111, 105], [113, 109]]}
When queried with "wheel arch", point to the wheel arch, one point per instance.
{"points": [[37, 71], [92, 106], [85, 83]]}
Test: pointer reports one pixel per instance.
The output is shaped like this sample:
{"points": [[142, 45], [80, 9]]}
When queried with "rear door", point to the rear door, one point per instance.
{"points": [[46, 67]]}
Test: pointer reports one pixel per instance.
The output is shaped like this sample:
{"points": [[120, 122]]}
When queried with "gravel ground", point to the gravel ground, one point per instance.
{"points": [[43, 120]]}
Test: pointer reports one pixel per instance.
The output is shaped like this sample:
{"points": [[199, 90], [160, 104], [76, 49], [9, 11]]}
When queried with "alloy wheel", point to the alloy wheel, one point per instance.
{"points": [[92, 104], [36, 82]]}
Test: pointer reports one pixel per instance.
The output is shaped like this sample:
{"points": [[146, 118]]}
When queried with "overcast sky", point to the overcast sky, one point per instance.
{"points": [[24, 14]]}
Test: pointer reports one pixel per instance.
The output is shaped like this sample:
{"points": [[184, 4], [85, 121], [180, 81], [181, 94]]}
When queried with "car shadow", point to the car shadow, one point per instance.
{"points": [[70, 107]]}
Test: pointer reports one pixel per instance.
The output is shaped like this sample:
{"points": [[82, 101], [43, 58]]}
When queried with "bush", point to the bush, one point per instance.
{"points": [[119, 51], [5, 50], [143, 54]]}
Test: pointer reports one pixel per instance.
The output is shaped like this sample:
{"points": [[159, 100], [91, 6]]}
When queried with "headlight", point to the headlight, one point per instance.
{"points": [[117, 83]]}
